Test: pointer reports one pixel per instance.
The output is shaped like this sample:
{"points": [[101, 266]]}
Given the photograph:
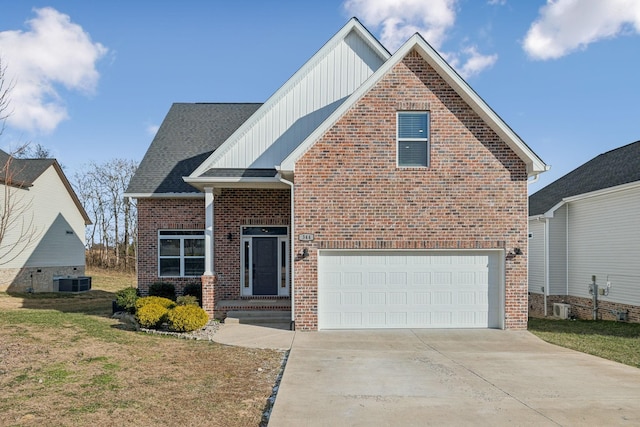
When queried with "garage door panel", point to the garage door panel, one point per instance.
{"points": [[408, 289]]}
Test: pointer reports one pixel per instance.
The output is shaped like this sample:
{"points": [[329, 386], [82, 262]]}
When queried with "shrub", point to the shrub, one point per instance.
{"points": [[163, 289], [151, 315], [162, 302], [187, 318], [187, 300], [126, 298], [194, 289]]}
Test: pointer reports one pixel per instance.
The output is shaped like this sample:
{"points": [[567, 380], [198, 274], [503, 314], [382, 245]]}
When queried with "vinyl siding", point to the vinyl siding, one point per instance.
{"points": [[301, 109], [558, 252], [604, 240], [53, 214], [536, 256]]}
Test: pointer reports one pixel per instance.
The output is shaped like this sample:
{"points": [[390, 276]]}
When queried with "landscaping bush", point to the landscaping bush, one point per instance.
{"points": [[163, 289], [162, 302], [187, 300], [194, 289], [126, 298], [151, 315], [187, 318]]}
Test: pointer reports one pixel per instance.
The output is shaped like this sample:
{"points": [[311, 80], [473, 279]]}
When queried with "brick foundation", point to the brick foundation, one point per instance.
{"points": [[582, 308]]}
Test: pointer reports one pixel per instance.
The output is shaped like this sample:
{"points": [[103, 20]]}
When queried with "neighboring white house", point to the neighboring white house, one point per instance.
{"points": [[587, 224], [44, 237]]}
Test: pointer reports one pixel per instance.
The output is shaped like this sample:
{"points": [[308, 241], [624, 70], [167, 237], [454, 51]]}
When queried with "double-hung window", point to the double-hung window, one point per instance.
{"points": [[413, 138], [180, 253]]}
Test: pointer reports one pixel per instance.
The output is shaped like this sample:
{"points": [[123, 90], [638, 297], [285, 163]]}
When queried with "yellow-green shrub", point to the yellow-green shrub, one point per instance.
{"points": [[151, 315], [163, 302], [187, 318]]}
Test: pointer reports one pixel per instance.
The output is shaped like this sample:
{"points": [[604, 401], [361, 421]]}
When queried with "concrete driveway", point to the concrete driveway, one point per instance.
{"points": [[449, 377]]}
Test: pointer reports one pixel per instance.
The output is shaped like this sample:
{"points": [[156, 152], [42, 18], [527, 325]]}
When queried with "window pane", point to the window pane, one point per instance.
{"points": [[283, 264], [412, 153], [193, 266], [193, 247], [413, 125], [170, 266], [169, 247], [264, 231], [246, 263]]}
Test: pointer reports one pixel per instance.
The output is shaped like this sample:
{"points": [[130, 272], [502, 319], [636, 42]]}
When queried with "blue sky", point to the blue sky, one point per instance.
{"points": [[93, 80]]}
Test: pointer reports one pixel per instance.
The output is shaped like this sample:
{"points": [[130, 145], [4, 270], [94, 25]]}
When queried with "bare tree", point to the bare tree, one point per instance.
{"points": [[17, 229], [111, 240]]}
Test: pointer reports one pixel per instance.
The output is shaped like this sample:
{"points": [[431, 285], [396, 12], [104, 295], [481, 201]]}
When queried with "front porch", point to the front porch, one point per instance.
{"points": [[268, 312]]}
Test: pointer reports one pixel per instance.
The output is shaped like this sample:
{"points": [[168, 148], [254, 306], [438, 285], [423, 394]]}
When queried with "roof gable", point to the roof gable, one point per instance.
{"points": [[611, 169], [534, 164], [295, 110]]}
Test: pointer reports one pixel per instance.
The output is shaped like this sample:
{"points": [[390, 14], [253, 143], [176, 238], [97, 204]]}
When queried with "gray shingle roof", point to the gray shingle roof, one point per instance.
{"points": [[23, 171], [187, 136], [610, 169]]}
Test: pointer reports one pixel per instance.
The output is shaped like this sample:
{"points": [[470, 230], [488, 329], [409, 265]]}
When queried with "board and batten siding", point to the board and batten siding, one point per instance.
{"points": [[311, 98], [537, 256], [59, 225], [557, 257], [604, 240]]}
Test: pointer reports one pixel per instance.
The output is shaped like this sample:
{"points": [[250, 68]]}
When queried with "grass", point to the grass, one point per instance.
{"points": [[615, 341], [65, 362]]}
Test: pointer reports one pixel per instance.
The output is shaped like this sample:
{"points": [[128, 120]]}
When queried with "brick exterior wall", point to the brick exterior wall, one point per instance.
{"points": [[233, 208], [350, 194], [164, 214]]}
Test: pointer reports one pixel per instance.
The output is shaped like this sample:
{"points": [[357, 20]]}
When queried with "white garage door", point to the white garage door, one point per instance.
{"points": [[409, 289]]}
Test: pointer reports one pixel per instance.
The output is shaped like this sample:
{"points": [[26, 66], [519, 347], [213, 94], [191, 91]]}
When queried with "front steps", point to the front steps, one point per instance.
{"points": [[268, 319]]}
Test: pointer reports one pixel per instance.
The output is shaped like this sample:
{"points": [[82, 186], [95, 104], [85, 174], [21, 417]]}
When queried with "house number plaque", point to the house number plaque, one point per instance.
{"points": [[305, 237]]}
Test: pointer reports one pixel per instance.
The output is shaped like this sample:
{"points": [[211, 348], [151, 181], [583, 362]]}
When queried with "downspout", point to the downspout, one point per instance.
{"points": [[291, 253]]}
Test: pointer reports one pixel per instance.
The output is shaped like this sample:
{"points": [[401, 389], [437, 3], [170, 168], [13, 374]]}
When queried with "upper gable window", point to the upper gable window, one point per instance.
{"points": [[413, 139]]}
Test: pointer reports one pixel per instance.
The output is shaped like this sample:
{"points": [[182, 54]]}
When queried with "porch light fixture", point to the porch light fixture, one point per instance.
{"points": [[230, 237], [305, 253], [514, 252]]}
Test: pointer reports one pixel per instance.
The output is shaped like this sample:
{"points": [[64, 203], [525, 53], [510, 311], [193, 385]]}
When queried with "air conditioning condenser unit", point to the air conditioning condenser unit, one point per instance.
{"points": [[562, 311]]}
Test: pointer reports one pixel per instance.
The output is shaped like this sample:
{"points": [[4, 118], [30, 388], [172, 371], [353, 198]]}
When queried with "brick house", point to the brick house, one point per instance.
{"points": [[370, 191]]}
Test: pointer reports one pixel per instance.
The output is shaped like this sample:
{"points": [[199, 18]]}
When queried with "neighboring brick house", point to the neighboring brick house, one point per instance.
{"points": [[370, 191], [586, 224]]}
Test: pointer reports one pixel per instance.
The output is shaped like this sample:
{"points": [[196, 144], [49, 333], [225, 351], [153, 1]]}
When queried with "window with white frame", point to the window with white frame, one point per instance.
{"points": [[180, 253], [413, 138]]}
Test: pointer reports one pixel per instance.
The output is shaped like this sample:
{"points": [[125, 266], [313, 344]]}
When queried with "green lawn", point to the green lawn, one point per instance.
{"points": [[615, 341]]}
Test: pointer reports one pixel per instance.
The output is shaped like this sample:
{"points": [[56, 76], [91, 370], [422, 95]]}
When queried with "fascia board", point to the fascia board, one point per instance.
{"points": [[164, 195], [621, 187], [353, 24], [631, 185], [534, 164]]}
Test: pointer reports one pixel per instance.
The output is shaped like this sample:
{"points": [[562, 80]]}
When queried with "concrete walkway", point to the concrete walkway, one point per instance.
{"points": [[449, 377], [251, 336]]}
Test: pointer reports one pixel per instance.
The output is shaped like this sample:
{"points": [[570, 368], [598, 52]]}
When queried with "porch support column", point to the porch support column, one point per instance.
{"points": [[208, 232], [209, 278]]}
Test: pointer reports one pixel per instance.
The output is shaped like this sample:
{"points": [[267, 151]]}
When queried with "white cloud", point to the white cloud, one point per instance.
{"points": [[398, 20], [568, 25], [152, 129], [473, 61], [497, 2], [54, 51]]}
